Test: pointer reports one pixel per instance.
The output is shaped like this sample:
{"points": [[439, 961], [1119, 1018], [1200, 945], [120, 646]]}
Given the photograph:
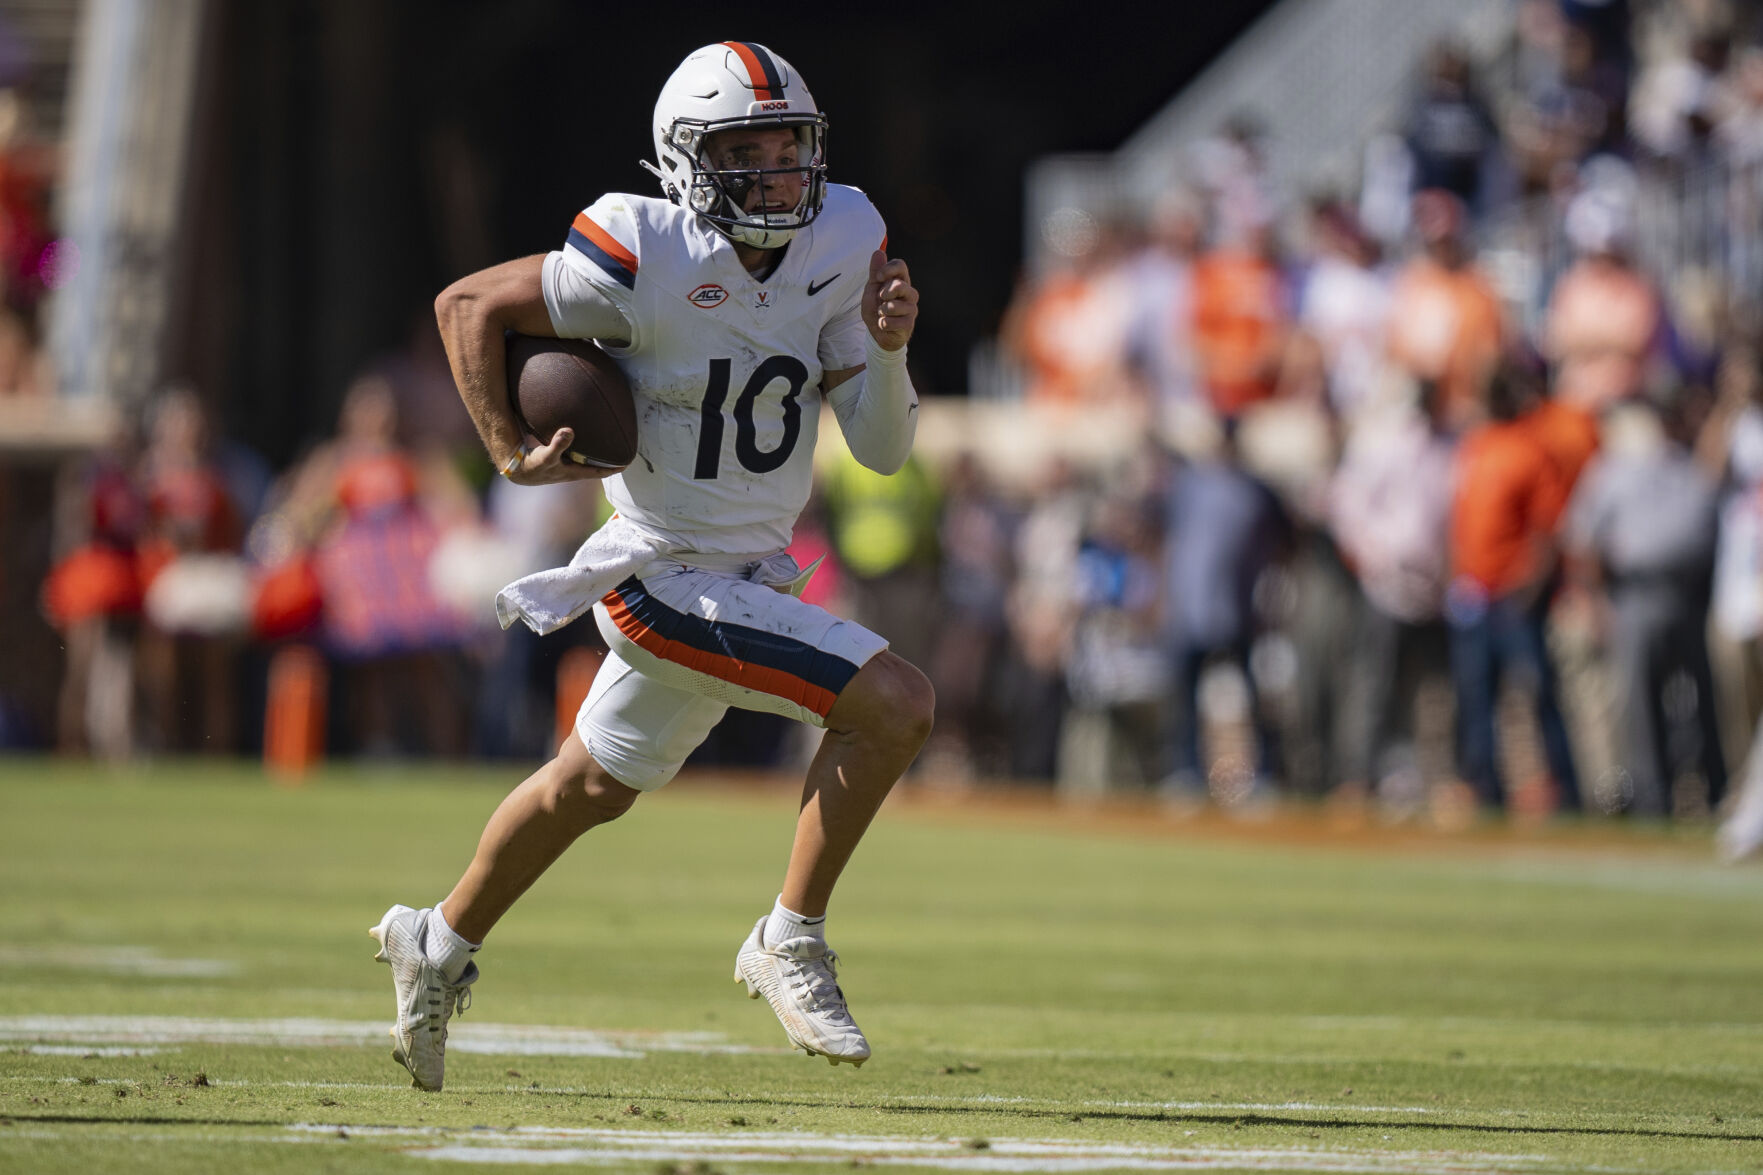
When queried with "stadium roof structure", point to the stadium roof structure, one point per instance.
{"points": [[1316, 77]]}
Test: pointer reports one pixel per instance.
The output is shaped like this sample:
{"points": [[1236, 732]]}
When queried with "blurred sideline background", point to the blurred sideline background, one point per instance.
{"points": [[1377, 426]]}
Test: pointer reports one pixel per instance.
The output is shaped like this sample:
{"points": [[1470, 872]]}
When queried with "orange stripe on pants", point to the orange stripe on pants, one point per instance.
{"points": [[759, 678]]}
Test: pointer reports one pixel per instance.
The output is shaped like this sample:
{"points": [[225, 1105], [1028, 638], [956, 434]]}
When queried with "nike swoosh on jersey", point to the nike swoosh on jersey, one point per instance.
{"points": [[815, 289]]}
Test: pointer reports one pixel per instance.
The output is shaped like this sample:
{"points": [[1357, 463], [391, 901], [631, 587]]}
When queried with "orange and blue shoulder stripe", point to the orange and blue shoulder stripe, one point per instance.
{"points": [[603, 249]]}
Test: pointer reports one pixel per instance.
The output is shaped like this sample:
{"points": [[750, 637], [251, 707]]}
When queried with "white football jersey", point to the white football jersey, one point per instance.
{"points": [[725, 369]]}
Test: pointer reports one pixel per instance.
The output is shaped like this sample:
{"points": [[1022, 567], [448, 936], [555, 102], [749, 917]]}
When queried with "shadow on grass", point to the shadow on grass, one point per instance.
{"points": [[142, 1120]]}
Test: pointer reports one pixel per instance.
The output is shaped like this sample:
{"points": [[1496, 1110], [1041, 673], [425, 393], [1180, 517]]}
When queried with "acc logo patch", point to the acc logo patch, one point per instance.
{"points": [[708, 295]]}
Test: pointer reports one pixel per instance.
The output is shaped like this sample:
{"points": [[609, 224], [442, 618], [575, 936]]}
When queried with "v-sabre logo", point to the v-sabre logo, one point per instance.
{"points": [[706, 296], [762, 300]]}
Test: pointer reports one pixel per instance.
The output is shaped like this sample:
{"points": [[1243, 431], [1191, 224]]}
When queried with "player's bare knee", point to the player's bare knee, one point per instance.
{"points": [[916, 705], [606, 797], [889, 699], [584, 794]]}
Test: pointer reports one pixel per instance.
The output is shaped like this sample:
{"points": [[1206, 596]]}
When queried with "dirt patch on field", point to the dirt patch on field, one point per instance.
{"points": [[1446, 826]]}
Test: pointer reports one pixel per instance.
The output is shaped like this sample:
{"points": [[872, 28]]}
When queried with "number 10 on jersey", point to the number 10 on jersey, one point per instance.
{"points": [[747, 450]]}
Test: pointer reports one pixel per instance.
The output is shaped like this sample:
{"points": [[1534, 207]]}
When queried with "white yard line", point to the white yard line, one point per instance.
{"points": [[114, 960], [465, 1037], [249, 1084], [1408, 1023], [527, 1145], [82, 1050], [1393, 1164]]}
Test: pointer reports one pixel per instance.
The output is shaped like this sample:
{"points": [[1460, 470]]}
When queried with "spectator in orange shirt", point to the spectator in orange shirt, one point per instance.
{"points": [[1240, 322], [1069, 328], [93, 599], [1503, 517], [378, 512], [1446, 322], [1568, 435]]}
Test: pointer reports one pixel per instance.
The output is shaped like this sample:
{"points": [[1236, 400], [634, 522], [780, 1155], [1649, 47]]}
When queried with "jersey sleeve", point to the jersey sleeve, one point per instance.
{"points": [[841, 339], [596, 268], [578, 308]]}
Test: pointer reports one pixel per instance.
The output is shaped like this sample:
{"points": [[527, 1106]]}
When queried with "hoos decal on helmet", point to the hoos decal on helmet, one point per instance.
{"points": [[738, 85]]}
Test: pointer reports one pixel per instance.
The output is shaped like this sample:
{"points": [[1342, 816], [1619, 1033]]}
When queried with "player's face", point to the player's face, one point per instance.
{"points": [[772, 150]]}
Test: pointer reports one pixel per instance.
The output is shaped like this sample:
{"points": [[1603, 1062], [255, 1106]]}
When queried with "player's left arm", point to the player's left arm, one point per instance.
{"points": [[875, 402]]}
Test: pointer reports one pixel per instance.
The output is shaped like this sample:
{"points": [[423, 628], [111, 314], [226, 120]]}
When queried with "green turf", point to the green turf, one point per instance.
{"points": [[1034, 995]]}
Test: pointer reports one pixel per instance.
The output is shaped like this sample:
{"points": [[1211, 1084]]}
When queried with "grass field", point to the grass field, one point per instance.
{"points": [[188, 987]]}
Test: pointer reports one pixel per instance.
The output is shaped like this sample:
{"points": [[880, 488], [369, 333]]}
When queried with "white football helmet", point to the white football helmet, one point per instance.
{"points": [[727, 85]]}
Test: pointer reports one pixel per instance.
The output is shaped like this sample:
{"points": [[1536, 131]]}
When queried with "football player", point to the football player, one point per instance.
{"points": [[738, 304]]}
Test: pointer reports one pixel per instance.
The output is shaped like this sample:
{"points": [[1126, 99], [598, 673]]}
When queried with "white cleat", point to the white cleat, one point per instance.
{"points": [[798, 978], [426, 1001], [1741, 833]]}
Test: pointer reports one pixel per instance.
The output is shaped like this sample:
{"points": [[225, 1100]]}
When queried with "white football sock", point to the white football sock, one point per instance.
{"points": [[445, 949], [784, 924]]}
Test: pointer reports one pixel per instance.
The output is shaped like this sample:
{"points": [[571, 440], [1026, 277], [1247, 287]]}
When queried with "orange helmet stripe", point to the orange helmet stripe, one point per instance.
{"points": [[761, 72]]}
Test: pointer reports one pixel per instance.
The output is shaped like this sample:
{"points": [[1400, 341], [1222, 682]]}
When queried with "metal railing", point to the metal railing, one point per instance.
{"points": [[1700, 221]]}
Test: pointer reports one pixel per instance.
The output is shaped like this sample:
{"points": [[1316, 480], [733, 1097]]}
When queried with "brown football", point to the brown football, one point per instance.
{"points": [[554, 383]]}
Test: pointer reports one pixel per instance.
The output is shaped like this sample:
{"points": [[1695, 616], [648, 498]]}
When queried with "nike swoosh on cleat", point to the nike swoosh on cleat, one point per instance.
{"points": [[815, 289]]}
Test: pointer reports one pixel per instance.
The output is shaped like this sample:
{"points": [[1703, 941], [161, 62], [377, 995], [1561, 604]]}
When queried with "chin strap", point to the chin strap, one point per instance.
{"points": [[672, 191]]}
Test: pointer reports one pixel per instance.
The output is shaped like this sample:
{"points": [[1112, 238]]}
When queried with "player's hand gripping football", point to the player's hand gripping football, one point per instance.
{"points": [[890, 303], [547, 463]]}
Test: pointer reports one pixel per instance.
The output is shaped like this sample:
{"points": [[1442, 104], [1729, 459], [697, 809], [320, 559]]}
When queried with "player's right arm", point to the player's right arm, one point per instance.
{"points": [[473, 314], [581, 291]]}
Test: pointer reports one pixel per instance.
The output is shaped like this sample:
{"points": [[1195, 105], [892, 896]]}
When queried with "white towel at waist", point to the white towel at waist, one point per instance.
{"points": [[548, 600]]}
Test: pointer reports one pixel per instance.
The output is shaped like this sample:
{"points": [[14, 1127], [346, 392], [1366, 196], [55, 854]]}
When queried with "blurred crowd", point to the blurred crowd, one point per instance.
{"points": [[1448, 496], [1452, 499], [205, 599], [32, 260]]}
